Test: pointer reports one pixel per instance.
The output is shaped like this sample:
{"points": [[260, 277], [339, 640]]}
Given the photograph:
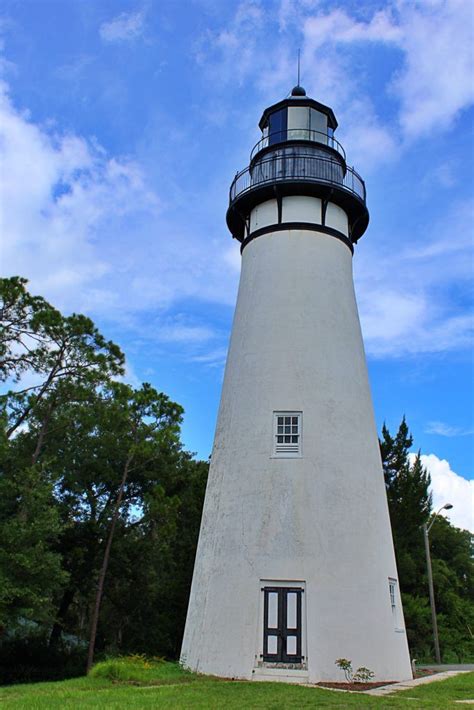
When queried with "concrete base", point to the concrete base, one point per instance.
{"points": [[274, 675]]}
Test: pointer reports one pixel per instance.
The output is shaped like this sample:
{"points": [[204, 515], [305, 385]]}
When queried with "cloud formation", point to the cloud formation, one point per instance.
{"points": [[415, 313], [61, 195], [86, 228], [443, 429], [431, 84], [435, 82], [448, 487], [125, 27]]}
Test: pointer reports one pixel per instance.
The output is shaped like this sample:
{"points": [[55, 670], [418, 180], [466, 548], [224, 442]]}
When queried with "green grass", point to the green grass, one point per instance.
{"points": [[138, 683]]}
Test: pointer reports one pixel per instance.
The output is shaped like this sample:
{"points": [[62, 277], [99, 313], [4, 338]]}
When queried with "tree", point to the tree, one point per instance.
{"points": [[101, 506], [30, 569], [147, 420], [38, 339], [452, 553], [407, 484], [409, 501]]}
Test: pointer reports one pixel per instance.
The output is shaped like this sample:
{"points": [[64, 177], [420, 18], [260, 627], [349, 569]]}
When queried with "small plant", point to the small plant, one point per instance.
{"points": [[139, 659], [361, 675], [345, 666]]}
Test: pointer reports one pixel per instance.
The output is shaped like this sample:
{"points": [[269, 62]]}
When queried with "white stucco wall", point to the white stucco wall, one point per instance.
{"points": [[300, 208], [337, 218], [263, 215], [322, 519]]}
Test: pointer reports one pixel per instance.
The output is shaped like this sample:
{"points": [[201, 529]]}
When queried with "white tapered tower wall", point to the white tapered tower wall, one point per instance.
{"points": [[320, 520]]}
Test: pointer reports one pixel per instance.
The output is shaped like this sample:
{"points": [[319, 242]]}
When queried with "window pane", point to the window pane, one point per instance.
{"points": [[272, 620], [280, 428], [287, 429], [291, 645], [294, 429], [280, 421], [295, 420], [279, 439], [294, 439], [272, 644], [291, 607], [287, 439]]}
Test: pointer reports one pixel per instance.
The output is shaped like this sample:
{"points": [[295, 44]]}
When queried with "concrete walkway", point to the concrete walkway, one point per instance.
{"points": [[445, 667], [407, 684]]}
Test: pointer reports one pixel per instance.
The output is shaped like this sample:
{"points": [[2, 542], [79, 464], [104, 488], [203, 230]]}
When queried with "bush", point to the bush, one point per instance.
{"points": [[138, 669], [127, 668]]}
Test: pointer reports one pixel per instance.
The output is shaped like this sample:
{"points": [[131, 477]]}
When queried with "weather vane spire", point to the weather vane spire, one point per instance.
{"points": [[299, 52]]}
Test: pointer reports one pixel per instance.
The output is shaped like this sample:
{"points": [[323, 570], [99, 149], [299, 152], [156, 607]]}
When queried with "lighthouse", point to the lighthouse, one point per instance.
{"points": [[295, 566]]}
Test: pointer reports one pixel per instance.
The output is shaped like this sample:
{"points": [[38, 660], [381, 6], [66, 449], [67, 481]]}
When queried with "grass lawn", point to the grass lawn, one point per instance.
{"points": [[136, 683]]}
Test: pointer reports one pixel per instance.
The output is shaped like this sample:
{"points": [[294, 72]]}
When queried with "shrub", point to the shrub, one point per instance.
{"points": [[361, 675]]}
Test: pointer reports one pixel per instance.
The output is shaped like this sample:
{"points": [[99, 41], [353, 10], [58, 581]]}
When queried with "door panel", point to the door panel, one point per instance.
{"points": [[282, 624]]}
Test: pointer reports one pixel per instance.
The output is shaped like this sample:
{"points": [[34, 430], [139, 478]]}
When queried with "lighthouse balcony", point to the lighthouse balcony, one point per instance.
{"points": [[299, 167], [297, 173]]}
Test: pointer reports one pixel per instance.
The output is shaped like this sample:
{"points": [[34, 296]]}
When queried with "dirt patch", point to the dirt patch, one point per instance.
{"points": [[356, 686]]}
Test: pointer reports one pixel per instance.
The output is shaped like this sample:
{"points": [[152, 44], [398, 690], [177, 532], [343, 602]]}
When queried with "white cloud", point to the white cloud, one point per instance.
{"points": [[449, 487], [337, 26], [232, 256], [404, 297], [213, 358], [443, 429], [435, 82], [89, 233], [432, 81], [59, 195], [183, 333], [230, 54], [123, 28]]}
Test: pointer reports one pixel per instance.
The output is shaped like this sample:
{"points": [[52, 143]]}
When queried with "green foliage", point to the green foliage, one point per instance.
{"points": [[86, 459], [30, 570], [346, 666], [361, 675], [138, 668], [409, 503], [37, 339]]}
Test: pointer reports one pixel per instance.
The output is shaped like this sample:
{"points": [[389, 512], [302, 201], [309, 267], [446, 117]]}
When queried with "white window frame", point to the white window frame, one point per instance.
{"points": [[287, 450], [394, 602]]}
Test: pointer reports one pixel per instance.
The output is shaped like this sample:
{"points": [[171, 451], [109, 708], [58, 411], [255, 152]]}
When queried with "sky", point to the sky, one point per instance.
{"points": [[122, 124]]}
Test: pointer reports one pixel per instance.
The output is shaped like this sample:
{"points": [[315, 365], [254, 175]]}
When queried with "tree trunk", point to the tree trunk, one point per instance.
{"points": [[57, 629], [39, 396], [42, 432], [105, 563]]}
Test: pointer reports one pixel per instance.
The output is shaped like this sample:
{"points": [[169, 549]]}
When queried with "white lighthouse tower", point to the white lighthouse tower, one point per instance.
{"points": [[295, 565]]}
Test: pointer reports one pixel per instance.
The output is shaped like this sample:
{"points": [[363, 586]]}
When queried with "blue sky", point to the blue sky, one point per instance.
{"points": [[123, 123]]}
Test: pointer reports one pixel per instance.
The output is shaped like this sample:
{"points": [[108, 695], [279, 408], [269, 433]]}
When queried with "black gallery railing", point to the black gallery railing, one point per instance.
{"points": [[297, 134], [307, 168]]}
